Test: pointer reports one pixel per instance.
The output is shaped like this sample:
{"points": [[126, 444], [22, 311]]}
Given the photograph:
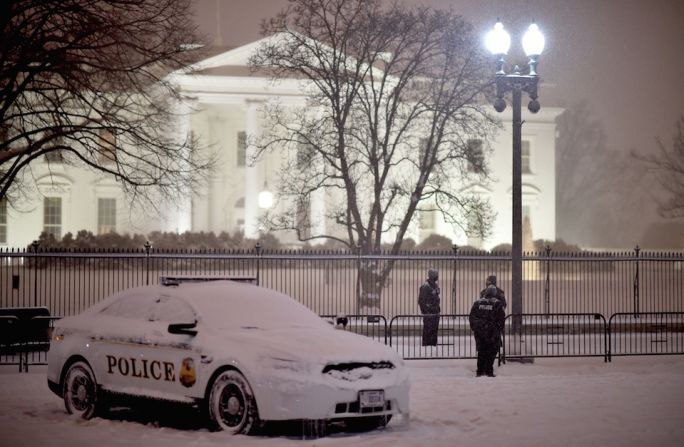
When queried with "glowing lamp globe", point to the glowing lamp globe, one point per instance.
{"points": [[265, 199], [498, 41], [533, 41]]}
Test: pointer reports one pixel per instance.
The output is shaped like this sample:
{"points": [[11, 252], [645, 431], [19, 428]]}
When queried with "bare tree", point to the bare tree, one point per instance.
{"points": [[85, 82], [396, 97], [668, 164]]}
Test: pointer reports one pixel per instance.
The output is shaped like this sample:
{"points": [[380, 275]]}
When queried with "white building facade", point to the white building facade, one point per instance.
{"points": [[224, 112]]}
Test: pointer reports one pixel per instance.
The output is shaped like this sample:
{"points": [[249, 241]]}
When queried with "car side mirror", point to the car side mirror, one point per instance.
{"points": [[183, 328]]}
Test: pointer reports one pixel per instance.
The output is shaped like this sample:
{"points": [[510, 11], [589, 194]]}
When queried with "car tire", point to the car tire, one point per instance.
{"points": [[366, 423], [232, 407], [80, 390]]}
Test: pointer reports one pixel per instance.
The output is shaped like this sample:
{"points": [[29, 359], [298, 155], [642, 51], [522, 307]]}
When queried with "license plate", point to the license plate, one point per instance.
{"points": [[371, 398]]}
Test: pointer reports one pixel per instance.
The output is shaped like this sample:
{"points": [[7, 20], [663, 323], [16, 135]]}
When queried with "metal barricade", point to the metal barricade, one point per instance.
{"points": [[556, 335], [646, 333], [454, 337], [35, 352], [25, 342], [9, 354]]}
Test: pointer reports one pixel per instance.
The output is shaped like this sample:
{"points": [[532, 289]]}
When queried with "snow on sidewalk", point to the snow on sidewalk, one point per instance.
{"points": [[633, 401]]}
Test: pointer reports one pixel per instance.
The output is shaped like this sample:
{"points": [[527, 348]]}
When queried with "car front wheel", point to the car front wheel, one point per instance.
{"points": [[232, 407], [80, 390]]}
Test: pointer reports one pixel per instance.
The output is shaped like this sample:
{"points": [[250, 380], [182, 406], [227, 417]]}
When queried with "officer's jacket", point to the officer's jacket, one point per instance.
{"points": [[428, 298], [498, 293], [487, 317]]}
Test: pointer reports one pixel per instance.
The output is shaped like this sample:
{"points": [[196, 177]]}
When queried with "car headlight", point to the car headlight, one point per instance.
{"points": [[58, 335]]}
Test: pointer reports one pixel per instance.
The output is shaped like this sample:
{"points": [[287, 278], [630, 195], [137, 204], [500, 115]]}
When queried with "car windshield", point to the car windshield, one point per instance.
{"points": [[229, 305]]}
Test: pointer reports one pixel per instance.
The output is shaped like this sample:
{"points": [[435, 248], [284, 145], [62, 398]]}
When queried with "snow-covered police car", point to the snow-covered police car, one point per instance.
{"points": [[245, 353]]}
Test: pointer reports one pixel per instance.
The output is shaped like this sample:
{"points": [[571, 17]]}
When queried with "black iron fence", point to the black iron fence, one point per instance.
{"points": [[332, 283], [565, 295]]}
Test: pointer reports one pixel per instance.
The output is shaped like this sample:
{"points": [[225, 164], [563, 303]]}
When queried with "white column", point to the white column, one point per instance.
{"points": [[318, 199], [184, 205], [215, 213], [251, 174], [318, 214]]}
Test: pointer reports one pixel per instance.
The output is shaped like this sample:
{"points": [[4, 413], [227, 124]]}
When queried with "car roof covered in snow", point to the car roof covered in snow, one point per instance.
{"points": [[229, 304]]}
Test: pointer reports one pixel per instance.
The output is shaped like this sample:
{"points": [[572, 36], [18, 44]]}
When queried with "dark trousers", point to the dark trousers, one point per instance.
{"points": [[487, 348], [430, 326], [485, 361]]}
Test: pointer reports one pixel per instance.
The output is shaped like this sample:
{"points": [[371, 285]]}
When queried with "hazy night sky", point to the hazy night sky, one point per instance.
{"points": [[625, 57]]}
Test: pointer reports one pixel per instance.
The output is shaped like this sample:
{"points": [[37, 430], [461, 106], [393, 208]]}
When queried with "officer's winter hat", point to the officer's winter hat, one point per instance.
{"points": [[491, 280], [491, 292], [433, 275]]}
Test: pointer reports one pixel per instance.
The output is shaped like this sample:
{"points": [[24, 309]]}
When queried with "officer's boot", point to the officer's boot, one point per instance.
{"points": [[491, 356], [481, 365]]}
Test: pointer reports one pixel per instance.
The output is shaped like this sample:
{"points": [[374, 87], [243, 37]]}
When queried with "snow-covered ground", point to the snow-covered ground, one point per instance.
{"points": [[633, 401]]}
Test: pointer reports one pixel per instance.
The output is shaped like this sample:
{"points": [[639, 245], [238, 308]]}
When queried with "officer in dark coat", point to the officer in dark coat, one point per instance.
{"points": [[428, 300], [487, 322], [491, 281]]}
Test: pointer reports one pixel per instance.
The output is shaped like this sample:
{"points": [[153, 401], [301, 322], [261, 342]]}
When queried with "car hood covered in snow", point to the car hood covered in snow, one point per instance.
{"points": [[320, 345], [275, 322]]}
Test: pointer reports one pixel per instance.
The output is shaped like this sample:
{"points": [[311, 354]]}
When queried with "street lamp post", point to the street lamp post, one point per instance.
{"points": [[498, 42]]}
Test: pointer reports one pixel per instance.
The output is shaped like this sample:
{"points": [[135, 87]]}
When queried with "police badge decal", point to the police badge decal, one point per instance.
{"points": [[187, 374]]}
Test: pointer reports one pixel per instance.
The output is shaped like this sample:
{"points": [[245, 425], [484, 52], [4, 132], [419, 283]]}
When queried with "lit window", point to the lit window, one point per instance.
{"points": [[107, 147], [526, 218], [525, 157], [3, 221], [527, 234], [52, 216], [475, 156], [239, 214], [241, 148], [106, 216]]}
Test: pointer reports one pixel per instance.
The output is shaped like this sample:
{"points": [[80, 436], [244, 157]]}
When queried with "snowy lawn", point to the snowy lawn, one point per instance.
{"points": [[633, 401]]}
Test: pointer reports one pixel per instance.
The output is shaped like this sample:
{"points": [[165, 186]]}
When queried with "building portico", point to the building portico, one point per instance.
{"points": [[223, 107]]}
